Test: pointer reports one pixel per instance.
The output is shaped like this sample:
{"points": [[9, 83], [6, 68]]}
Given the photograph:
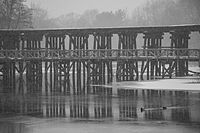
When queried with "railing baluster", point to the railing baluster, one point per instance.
{"points": [[87, 54]]}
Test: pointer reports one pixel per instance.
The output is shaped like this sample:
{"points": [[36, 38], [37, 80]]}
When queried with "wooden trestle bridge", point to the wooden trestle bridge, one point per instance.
{"points": [[96, 55]]}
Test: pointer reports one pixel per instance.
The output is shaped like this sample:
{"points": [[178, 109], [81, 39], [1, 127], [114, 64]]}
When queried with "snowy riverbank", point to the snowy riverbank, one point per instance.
{"points": [[191, 83]]}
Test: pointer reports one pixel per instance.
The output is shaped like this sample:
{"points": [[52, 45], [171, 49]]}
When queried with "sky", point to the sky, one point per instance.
{"points": [[56, 8]]}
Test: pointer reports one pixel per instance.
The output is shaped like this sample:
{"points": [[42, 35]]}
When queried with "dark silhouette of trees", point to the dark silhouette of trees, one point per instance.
{"points": [[14, 14]]}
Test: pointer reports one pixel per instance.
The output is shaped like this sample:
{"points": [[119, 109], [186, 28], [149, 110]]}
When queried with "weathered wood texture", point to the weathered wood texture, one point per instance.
{"points": [[74, 58]]}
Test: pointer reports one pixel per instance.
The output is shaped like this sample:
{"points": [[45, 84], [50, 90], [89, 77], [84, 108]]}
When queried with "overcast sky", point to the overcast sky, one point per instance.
{"points": [[60, 7]]}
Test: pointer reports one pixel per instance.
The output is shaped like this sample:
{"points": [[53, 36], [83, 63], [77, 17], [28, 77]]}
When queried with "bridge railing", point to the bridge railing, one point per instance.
{"points": [[100, 54]]}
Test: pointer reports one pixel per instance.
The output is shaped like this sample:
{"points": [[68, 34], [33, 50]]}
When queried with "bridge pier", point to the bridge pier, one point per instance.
{"points": [[79, 42], [64, 75], [9, 41], [102, 69], [20, 69], [34, 76], [32, 41], [54, 69], [127, 70], [152, 40], [9, 77], [179, 39]]}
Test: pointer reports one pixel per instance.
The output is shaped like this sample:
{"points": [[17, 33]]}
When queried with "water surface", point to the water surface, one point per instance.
{"points": [[104, 109]]}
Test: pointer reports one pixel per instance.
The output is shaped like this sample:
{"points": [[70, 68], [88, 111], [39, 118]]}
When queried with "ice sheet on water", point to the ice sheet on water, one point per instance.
{"points": [[183, 83]]}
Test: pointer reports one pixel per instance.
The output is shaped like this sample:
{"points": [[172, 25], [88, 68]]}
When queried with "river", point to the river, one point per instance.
{"points": [[115, 108]]}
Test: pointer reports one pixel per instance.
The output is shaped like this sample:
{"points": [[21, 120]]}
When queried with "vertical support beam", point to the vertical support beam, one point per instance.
{"points": [[54, 70], [32, 41], [9, 41], [152, 40], [9, 76], [102, 69], [179, 40], [77, 43], [20, 69], [127, 69]]}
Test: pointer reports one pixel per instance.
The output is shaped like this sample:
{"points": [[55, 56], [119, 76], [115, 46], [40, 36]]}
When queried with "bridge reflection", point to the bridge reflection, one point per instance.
{"points": [[103, 104], [13, 128], [128, 108]]}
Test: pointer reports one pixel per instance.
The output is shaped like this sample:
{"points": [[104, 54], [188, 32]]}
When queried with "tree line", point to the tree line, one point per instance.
{"points": [[15, 14]]}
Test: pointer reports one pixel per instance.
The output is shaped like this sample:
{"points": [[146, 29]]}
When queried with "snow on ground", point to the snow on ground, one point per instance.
{"points": [[183, 83], [192, 84]]}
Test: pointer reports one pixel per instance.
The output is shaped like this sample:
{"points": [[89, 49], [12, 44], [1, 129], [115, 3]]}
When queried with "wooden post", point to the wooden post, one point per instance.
{"points": [[179, 40], [32, 41], [126, 70], [153, 40], [79, 41], [55, 41], [102, 41]]}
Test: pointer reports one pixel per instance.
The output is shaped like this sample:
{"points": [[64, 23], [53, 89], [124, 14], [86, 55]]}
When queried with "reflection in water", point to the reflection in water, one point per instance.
{"points": [[127, 104], [181, 99], [20, 105], [148, 104], [153, 103], [100, 103], [54, 107], [12, 128], [103, 103], [79, 107]]}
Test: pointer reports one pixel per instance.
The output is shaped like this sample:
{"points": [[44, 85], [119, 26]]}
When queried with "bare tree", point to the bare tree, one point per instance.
{"points": [[14, 14]]}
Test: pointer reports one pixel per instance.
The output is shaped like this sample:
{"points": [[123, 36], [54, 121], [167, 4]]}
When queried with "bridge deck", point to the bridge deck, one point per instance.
{"points": [[112, 30]]}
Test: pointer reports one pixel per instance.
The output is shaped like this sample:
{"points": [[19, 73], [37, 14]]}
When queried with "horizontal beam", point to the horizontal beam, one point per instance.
{"points": [[112, 30], [109, 54], [94, 59]]}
